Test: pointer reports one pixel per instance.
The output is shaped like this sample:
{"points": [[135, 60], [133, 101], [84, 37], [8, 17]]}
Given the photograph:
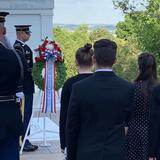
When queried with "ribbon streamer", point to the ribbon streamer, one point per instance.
{"points": [[49, 91]]}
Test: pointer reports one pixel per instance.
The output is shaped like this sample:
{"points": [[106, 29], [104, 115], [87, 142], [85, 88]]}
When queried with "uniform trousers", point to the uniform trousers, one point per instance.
{"points": [[28, 107], [9, 148]]}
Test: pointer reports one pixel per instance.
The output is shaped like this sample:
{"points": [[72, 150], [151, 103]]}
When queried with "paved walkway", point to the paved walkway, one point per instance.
{"points": [[44, 153]]}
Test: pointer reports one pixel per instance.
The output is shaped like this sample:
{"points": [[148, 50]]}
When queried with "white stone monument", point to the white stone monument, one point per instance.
{"points": [[38, 13]]}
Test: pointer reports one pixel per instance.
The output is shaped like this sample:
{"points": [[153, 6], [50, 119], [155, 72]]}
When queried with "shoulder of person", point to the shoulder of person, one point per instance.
{"points": [[70, 81], [84, 82], [126, 82], [18, 45]]}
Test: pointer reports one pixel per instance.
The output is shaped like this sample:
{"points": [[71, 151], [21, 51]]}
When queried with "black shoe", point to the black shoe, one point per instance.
{"points": [[29, 148], [34, 146]]}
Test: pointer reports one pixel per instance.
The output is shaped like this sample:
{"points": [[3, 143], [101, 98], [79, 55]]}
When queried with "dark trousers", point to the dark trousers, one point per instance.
{"points": [[9, 148], [28, 106]]}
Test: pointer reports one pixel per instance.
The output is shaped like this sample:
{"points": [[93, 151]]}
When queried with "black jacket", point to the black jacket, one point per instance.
{"points": [[10, 115], [97, 111], [24, 50], [154, 130], [65, 97]]}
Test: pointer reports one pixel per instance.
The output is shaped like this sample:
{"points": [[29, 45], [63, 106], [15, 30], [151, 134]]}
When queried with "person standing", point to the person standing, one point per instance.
{"points": [[11, 126], [154, 129], [98, 108], [84, 64], [138, 124], [23, 34]]}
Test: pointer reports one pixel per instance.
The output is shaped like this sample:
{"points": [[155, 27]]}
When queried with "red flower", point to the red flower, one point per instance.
{"points": [[39, 59], [58, 49]]}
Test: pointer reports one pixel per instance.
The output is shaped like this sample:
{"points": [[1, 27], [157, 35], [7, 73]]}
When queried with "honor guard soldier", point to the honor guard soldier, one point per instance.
{"points": [[11, 72], [23, 34]]}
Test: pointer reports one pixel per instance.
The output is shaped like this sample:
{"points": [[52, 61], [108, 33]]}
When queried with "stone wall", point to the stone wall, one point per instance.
{"points": [[26, 4]]}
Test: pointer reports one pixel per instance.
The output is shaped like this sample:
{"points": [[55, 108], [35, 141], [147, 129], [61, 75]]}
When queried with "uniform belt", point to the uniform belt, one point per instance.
{"points": [[7, 98]]}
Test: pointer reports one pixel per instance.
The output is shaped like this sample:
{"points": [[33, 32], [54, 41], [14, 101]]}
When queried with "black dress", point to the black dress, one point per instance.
{"points": [[137, 137], [65, 97]]}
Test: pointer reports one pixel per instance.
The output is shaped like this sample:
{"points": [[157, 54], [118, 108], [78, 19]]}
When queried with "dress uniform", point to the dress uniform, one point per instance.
{"points": [[11, 126], [28, 83]]}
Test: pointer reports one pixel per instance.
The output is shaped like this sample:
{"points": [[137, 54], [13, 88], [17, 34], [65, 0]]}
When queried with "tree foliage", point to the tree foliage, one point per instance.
{"points": [[70, 41], [141, 25]]}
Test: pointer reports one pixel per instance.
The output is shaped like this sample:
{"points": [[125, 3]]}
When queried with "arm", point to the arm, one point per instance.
{"points": [[20, 50], [154, 128], [65, 96], [73, 124], [129, 110]]}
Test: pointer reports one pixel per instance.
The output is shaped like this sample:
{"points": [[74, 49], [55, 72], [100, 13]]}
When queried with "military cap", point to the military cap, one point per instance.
{"points": [[2, 16], [24, 28]]}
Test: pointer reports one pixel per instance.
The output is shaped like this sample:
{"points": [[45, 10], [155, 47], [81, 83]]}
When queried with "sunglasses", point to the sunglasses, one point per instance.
{"points": [[28, 33]]}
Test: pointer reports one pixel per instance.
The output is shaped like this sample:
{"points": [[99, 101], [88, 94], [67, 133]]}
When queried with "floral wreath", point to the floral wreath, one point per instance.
{"points": [[48, 49]]}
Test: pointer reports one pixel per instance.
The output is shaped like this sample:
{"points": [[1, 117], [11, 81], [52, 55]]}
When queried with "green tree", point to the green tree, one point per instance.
{"points": [[143, 25], [100, 33], [70, 41]]}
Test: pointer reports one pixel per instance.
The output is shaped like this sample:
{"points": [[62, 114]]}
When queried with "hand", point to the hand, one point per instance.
{"points": [[20, 94], [126, 130], [62, 151]]}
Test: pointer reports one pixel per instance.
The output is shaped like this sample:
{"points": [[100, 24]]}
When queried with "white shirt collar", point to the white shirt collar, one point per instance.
{"points": [[21, 41], [104, 70]]}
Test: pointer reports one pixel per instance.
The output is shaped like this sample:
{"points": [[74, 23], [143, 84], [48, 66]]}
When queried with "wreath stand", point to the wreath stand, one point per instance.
{"points": [[48, 52], [37, 102]]}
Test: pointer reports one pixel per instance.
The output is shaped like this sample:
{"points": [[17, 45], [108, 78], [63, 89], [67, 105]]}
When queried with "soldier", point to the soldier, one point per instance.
{"points": [[23, 34], [11, 72]]}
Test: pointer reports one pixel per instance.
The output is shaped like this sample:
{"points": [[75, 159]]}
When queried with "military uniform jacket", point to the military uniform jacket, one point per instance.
{"points": [[10, 114], [23, 49]]}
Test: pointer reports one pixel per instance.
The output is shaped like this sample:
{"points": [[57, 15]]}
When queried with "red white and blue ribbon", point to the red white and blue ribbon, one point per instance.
{"points": [[50, 53], [49, 101]]}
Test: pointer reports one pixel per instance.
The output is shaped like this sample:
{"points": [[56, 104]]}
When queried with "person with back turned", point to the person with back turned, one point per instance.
{"points": [[98, 108], [11, 72]]}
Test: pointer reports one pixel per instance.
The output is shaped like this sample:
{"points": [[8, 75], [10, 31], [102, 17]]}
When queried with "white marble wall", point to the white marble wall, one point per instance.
{"points": [[38, 13]]}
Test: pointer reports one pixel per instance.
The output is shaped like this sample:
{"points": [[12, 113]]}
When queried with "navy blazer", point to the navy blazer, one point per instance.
{"points": [[98, 108]]}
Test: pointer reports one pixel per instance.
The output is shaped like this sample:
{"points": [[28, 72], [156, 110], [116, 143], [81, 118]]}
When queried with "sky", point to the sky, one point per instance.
{"points": [[86, 12]]}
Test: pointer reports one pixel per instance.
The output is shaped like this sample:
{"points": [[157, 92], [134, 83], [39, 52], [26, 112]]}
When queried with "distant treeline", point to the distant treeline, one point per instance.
{"points": [[92, 27]]}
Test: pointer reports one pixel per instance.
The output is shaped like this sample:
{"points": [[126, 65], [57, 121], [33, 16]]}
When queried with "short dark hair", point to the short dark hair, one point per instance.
{"points": [[84, 55], [105, 52]]}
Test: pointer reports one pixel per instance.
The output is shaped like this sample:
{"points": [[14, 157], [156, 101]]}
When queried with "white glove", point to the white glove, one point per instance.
{"points": [[20, 94]]}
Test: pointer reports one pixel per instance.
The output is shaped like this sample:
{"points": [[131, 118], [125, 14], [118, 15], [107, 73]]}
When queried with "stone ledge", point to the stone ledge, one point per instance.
{"points": [[29, 4]]}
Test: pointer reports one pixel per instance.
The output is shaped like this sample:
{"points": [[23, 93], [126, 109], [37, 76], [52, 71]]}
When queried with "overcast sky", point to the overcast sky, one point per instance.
{"points": [[86, 12]]}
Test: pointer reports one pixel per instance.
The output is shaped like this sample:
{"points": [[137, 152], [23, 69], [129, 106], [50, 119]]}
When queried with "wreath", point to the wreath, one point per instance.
{"points": [[48, 49]]}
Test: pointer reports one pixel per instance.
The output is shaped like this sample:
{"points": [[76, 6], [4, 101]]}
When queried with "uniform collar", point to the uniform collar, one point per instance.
{"points": [[20, 41], [2, 43]]}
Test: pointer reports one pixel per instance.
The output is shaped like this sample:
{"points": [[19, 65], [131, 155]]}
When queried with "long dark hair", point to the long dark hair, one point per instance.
{"points": [[147, 72]]}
